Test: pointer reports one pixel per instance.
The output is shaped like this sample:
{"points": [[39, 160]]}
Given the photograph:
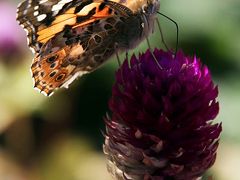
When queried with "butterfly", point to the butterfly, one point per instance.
{"points": [[70, 38]]}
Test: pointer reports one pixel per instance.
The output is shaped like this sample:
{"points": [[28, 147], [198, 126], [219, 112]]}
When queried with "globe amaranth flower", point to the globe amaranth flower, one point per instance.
{"points": [[161, 124]]}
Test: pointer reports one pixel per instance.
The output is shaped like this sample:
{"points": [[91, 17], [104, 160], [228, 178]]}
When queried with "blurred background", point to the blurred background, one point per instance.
{"points": [[60, 138]]}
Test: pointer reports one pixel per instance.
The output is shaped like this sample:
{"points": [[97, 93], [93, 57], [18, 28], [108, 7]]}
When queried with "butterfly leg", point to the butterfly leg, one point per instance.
{"points": [[117, 55], [126, 55], [119, 61], [155, 59]]}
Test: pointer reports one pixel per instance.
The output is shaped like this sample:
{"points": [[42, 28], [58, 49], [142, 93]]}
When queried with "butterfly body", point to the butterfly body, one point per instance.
{"points": [[72, 38]]}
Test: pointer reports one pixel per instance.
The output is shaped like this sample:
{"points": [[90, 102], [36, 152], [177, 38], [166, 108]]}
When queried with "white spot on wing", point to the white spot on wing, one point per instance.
{"points": [[33, 50], [25, 11], [29, 4], [64, 1], [41, 17], [59, 5], [44, 93], [36, 7], [28, 41], [37, 89], [20, 4], [42, 1], [35, 13], [77, 74], [86, 9], [76, 50], [27, 32]]}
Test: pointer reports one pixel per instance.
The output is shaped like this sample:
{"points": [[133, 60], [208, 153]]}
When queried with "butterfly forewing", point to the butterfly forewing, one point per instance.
{"points": [[30, 15], [74, 37]]}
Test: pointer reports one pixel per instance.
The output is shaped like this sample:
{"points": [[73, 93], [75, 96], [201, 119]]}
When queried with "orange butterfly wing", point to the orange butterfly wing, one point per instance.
{"points": [[93, 11], [54, 68]]}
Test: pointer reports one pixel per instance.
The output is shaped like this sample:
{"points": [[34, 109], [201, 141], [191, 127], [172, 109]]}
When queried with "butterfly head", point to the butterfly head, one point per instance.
{"points": [[151, 7]]}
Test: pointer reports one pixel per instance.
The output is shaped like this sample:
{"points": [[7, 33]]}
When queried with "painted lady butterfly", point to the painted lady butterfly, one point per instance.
{"points": [[72, 37]]}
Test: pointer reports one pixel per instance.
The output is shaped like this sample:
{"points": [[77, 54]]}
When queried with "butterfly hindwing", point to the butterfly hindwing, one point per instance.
{"points": [[84, 53], [76, 42]]}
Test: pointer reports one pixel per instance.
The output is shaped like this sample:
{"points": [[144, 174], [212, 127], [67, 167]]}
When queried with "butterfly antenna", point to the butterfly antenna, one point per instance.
{"points": [[161, 34], [149, 46], [177, 30], [126, 55]]}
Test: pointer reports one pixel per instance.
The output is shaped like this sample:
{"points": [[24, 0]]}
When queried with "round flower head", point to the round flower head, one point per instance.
{"points": [[161, 123]]}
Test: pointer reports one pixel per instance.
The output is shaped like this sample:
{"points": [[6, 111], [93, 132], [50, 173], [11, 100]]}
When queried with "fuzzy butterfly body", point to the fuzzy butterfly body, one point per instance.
{"points": [[73, 37]]}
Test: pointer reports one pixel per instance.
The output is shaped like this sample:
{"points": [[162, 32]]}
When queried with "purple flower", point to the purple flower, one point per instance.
{"points": [[161, 124], [12, 37]]}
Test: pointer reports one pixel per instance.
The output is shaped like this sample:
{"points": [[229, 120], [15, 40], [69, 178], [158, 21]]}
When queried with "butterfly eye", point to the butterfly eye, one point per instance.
{"points": [[60, 77], [52, 59]]}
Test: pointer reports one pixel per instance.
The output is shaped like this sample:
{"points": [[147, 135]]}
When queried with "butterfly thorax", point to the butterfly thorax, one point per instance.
{"points": [[141, 6]]}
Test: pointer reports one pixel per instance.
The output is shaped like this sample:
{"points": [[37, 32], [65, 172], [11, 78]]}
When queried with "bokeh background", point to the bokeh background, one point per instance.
{"points": [[60, 138]]}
